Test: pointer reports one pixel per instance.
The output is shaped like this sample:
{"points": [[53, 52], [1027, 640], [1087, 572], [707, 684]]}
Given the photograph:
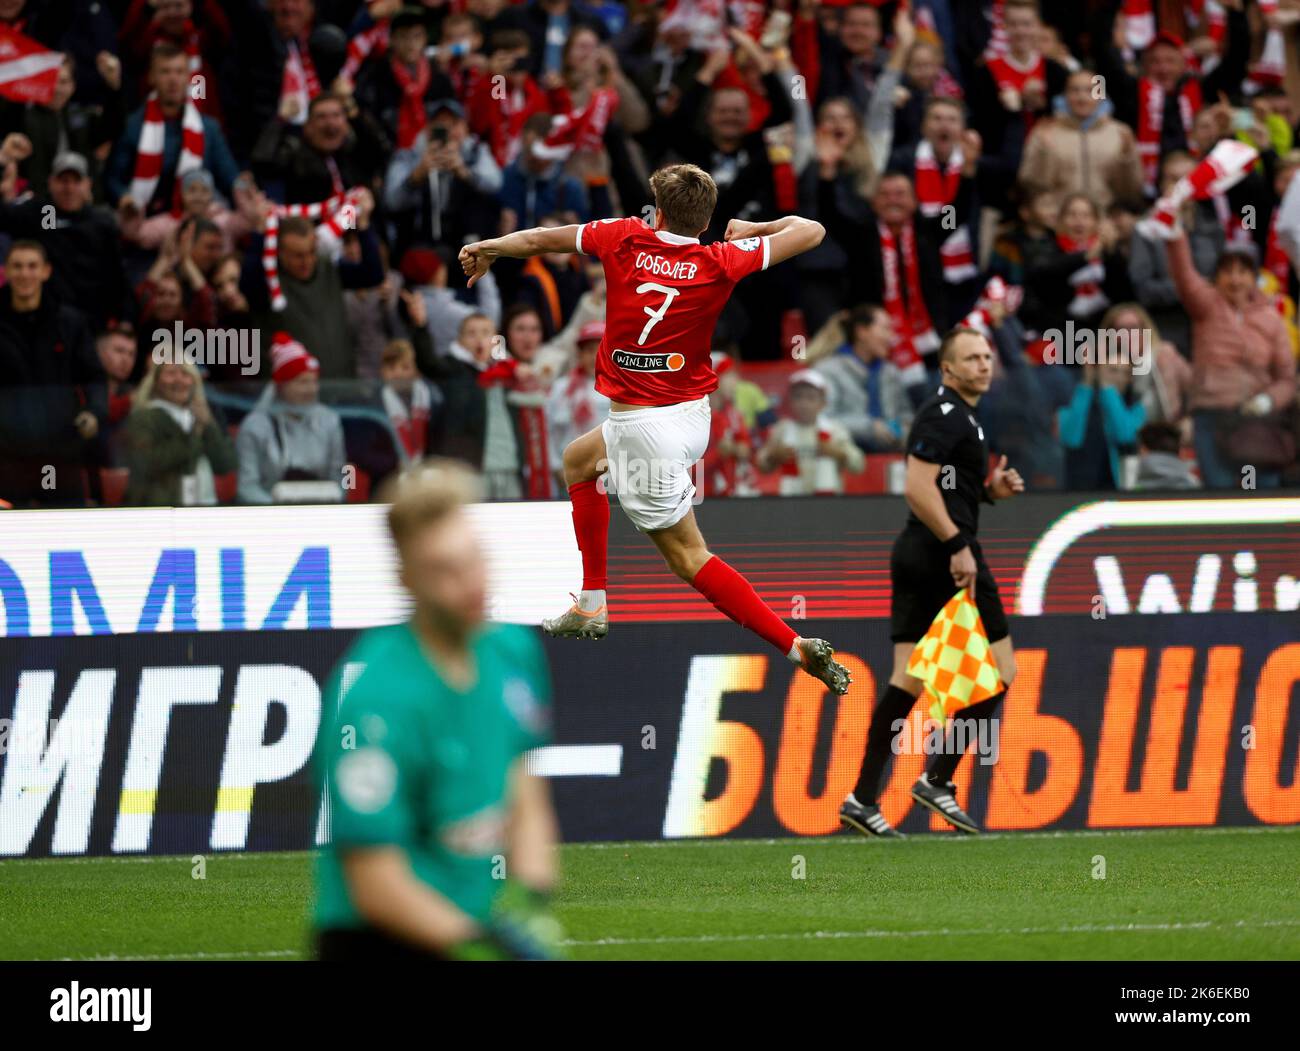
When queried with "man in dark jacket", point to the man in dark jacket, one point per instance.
{"points": [[333, 152], [53, 397], [82, 244]]}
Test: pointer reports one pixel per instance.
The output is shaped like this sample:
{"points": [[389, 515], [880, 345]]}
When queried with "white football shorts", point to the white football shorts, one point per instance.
{"points": [[652, 454]]}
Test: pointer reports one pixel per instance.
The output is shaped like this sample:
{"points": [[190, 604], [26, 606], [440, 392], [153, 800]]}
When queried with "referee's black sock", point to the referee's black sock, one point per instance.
{"points": [[944, 765], [894, 704]]}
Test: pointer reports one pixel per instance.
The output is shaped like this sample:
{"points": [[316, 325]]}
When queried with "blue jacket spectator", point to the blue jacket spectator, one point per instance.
{"points": [[1100, 424]]}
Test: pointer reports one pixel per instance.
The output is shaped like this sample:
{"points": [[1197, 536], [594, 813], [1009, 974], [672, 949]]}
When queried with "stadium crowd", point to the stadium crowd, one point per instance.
{"points": [[229, 236]]}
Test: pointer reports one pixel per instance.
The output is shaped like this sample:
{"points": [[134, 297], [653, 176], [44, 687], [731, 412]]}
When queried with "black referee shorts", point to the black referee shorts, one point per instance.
{"points": [[922, 586], [368, 945]]}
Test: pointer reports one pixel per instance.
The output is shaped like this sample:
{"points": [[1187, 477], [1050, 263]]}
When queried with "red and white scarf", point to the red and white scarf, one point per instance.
{"points": [[333, 216], [914, 333], [537, 457], [410, 422], [997, 45], [299, 81], [372, 41], [530, 408], [149, 150], [1224, 167], [580, 131], [937, 188], [1086, 281], [410, 113], [583, 399], [996, 292], [1151, 122], [1270, 68], [707, 21]]}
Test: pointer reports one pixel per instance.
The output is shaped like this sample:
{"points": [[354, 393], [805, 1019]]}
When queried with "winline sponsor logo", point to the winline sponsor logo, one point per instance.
{"points": [[670, 362], [180, 345]]}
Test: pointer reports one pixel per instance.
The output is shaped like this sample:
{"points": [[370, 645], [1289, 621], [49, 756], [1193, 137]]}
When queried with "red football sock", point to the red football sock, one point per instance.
{"points": [[736, 597], [591, 526]]}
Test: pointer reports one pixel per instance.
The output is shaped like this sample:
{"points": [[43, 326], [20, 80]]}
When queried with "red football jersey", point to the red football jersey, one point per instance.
{"points": [[663, 295]]}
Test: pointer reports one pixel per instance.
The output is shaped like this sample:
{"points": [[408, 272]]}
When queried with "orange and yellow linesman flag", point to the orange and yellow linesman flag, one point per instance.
{"points": [[954, 661]]}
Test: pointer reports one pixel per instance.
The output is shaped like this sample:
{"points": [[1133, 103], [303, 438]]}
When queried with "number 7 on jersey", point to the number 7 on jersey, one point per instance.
{"points": [[656, 316]]}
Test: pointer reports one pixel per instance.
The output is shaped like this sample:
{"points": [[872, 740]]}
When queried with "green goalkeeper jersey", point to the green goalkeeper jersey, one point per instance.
{"points": [[413, 762]]}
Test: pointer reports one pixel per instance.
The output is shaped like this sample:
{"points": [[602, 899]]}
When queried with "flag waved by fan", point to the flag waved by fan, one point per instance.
{"points": [[28, 70], [1221, 170], [954, 659]]}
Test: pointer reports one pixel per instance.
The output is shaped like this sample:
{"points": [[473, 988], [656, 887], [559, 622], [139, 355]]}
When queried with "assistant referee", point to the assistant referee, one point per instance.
{"points": [[442, 843], [934, 556]]}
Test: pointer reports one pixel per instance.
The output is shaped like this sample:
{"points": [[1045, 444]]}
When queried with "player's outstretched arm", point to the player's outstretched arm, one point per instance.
{"points": [[476, 258], [787, 237]]}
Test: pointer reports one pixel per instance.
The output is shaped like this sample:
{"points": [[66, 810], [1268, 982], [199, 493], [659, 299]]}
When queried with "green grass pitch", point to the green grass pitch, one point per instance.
{"points": [[1175, 894]]}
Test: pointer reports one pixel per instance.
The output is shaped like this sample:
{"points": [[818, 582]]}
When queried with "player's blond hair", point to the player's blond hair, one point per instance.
{"points": [[425, 494], [685, 195]]}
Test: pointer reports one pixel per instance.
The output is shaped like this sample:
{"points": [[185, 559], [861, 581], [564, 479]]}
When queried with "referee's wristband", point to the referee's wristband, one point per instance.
{"points": [[955, 543]]}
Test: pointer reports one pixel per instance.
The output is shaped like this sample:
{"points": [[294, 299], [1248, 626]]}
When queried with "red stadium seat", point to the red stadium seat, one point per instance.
{"points": [[227, 485], [112, 484], [359, 493]]}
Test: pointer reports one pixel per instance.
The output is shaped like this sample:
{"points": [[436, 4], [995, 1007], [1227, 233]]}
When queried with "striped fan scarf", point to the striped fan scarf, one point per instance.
{"points": [[333, 215], [372, 41], [299, 80], [1269, 69], [1211, 21], [1151, 120], [530, 408], [936, 188], [411, 423], [410, 113], [1086, 281], [997, 45], [914, 333], [149, 150], [580, 131]]}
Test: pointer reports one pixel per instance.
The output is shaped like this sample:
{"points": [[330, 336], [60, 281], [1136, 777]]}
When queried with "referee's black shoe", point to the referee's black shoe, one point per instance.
{"points": [[867, 819], [942, 800]]}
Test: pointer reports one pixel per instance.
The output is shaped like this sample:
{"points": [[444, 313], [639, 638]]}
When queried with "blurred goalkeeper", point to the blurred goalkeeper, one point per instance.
{"points": [[442, 843]]}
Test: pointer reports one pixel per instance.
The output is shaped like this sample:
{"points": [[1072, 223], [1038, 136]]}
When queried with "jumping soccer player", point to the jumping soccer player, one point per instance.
{"points": [[935, 556], [665, 291], [429, 800]]}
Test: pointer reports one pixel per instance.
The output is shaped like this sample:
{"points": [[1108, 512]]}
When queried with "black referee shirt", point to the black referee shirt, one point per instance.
{"points": [[946, 431]]}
